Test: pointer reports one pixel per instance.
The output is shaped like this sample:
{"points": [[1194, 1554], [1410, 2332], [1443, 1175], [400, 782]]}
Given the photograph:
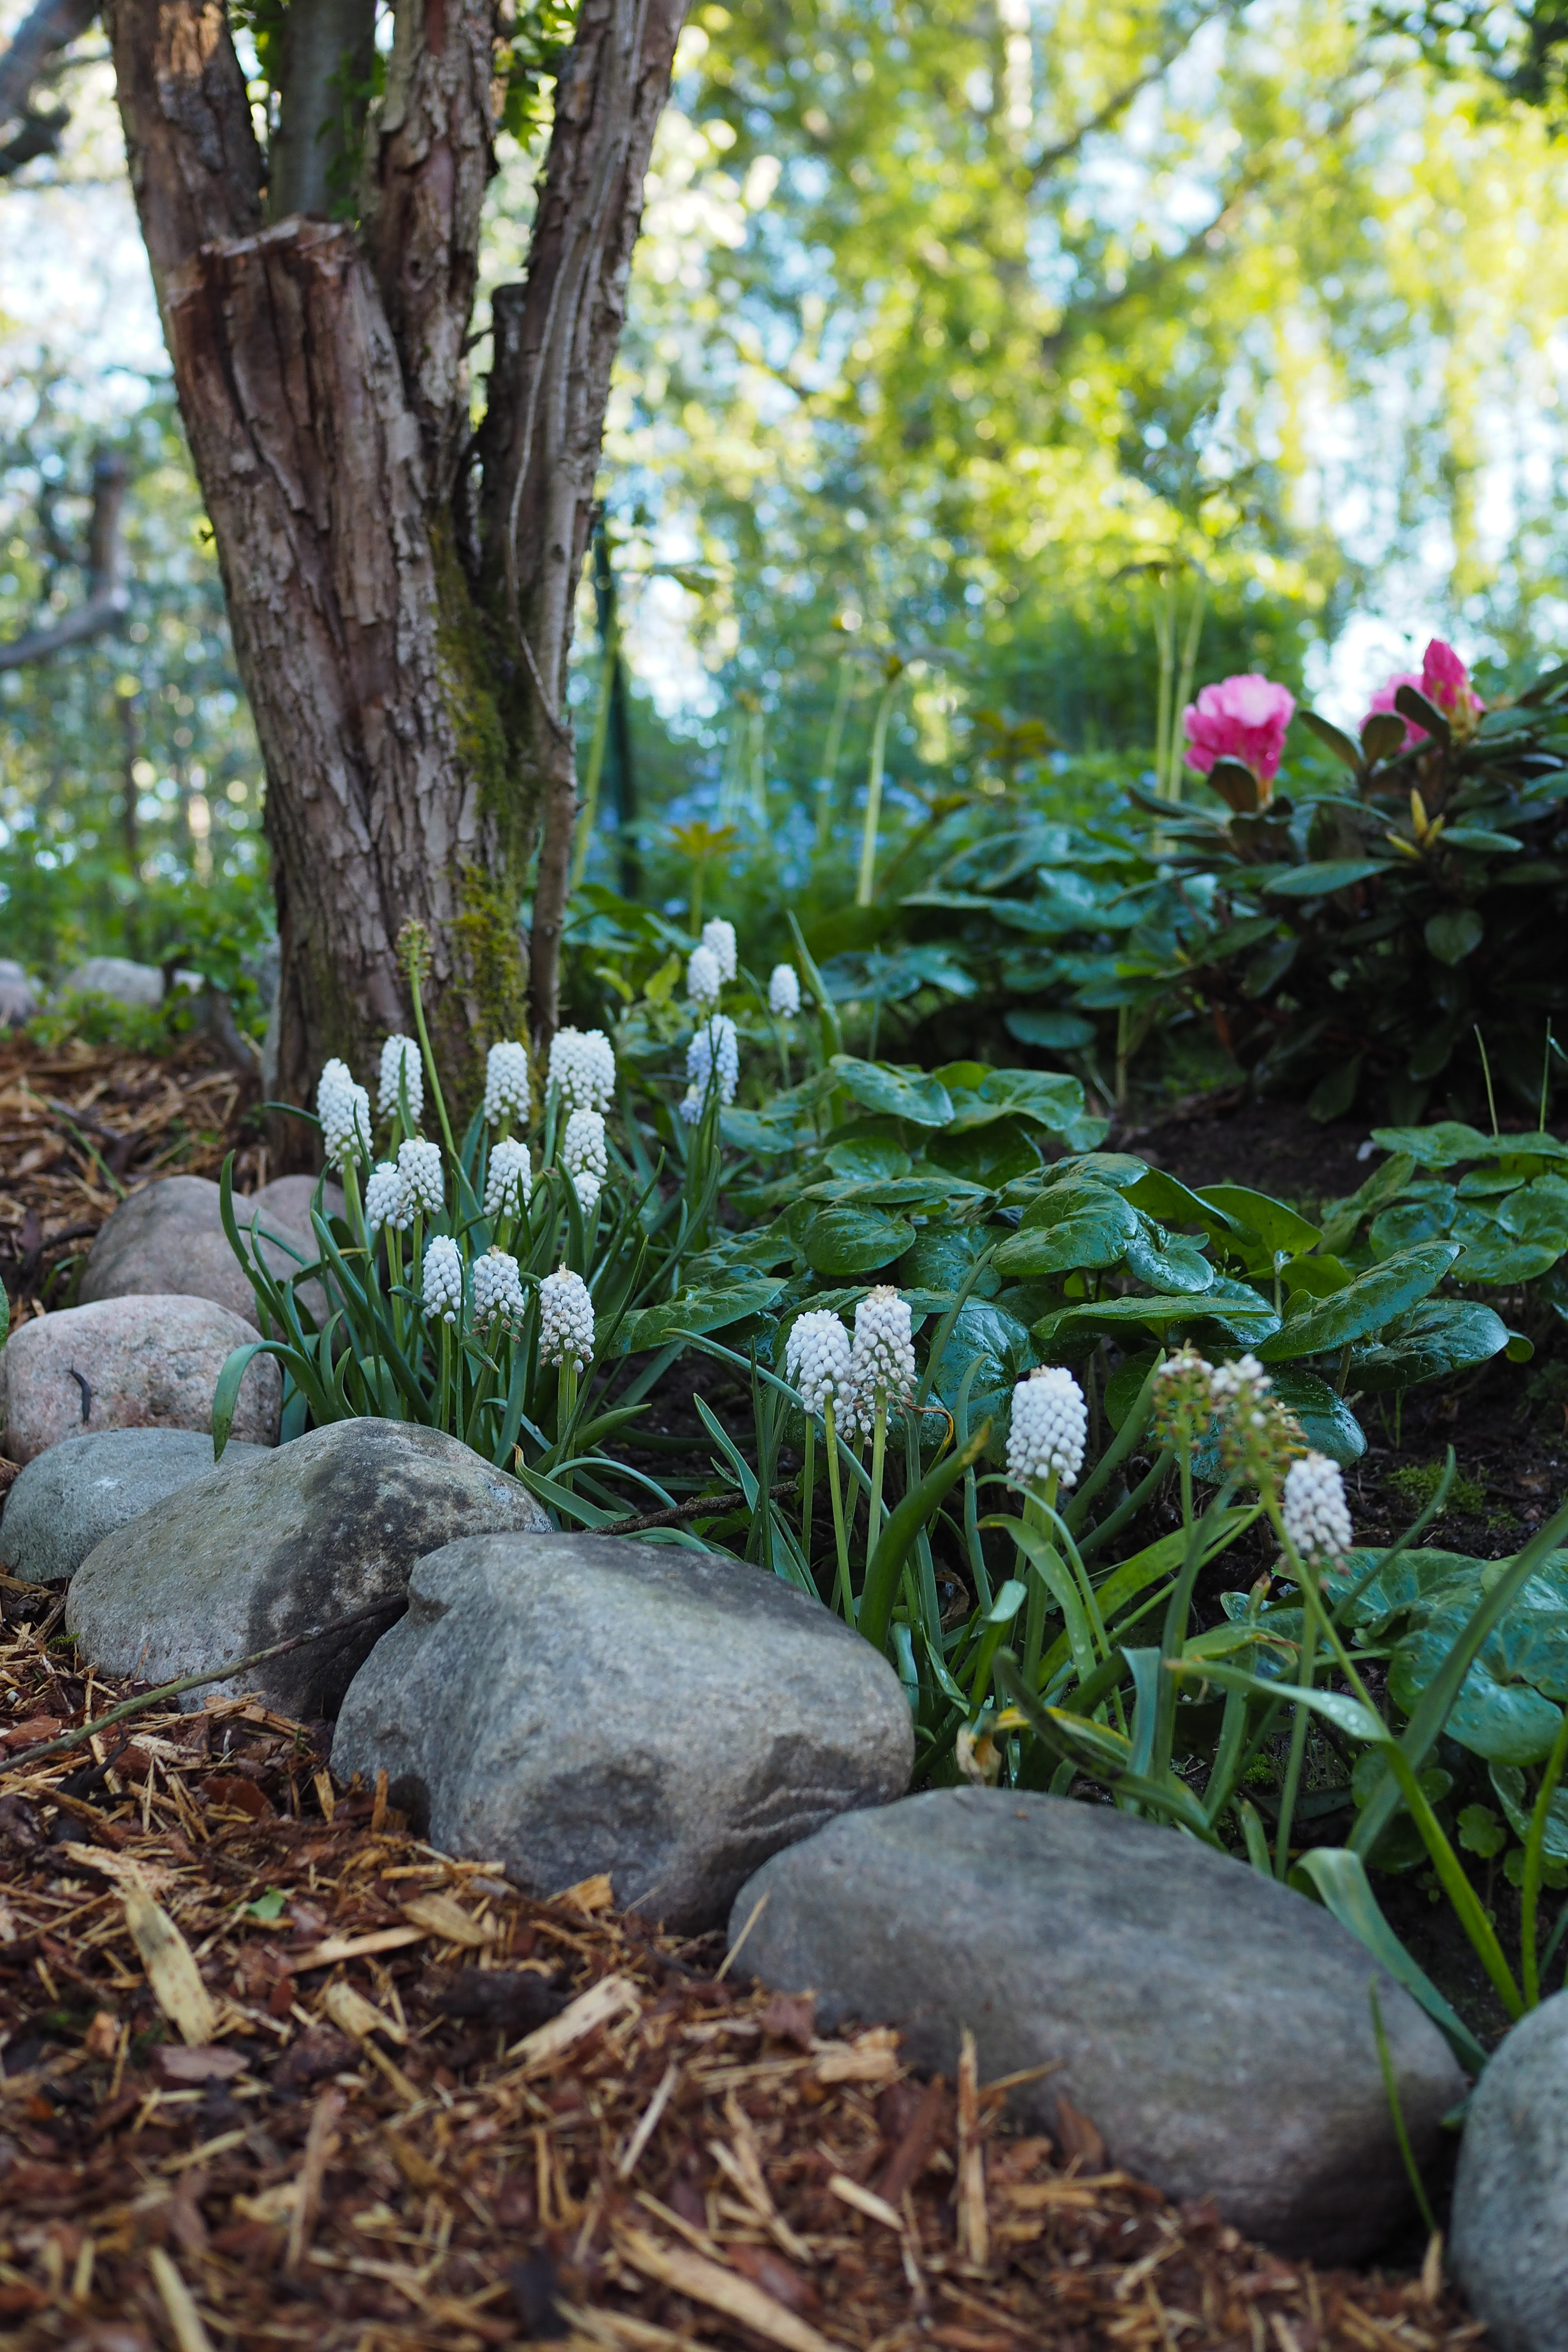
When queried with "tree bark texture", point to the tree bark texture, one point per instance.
{"points": [[400, 589]]}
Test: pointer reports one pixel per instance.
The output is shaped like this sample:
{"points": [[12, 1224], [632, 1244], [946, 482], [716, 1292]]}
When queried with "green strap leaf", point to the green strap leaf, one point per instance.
{"points": [[1340, 1879], [886, 1561]]}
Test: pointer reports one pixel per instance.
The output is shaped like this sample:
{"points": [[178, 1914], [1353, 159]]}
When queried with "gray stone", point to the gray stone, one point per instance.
{"points": [[329, 1523], [18, 997], [146, 1362], [287, 1200], [577, 1704], [1214, 2025], [123, 981], [169, 1237], [1509, 2235], [70, 1498]]}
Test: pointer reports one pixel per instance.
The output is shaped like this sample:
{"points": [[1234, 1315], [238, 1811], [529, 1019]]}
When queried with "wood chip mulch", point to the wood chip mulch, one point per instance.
{"points": [[80, 1126], [274, 2072]]}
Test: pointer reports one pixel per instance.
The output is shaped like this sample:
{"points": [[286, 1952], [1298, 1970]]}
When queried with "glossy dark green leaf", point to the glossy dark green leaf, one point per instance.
{"points": [[1386, 1291], [1537, 1212], [1412, 704], [866, 1157], [850, 1240], [898, 1094], [1493, 1256], [1048, 1098], [1414, 1581], [1277, 1225], [1443, 1336], [984, 1334], [1382, 736], [1053, 1032], [1175, 1203], [1454, 934], [696, 1311], [1325, 876], [1340, 744], [1441, 1145], [1167, 1261], [1504, 1710], [1327, 1422], [1087, 1228], [1408, 1222], [1073, 1330], [991, 1155], [1517, 1798]]}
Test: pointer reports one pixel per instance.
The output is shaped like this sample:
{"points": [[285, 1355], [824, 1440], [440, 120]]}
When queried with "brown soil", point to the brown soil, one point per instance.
{"points": [[489, 2121]]}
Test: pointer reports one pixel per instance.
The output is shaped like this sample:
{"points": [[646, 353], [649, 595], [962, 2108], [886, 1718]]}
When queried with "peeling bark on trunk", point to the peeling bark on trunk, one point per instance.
{"points": [[401, 593]]}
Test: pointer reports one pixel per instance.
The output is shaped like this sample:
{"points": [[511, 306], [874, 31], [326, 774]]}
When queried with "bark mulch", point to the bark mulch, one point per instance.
{"points": [[275, 2072], [80, 1126]]}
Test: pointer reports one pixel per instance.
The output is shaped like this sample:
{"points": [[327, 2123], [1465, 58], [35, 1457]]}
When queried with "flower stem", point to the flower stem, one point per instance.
{"points": [[1297, 1748], [807, 1481], [430, 1071], [843, 1599], [1534, 1846], [874, 793], [444, 1391], [878, 1461]]}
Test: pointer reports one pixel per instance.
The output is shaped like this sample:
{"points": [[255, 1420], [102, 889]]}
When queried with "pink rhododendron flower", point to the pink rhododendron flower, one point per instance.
{"points": [[1445, 681], [1240, 718]]}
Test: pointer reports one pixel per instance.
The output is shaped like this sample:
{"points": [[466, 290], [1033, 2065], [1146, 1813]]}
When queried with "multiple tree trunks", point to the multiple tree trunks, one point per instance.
{"points": [[401, 589]]}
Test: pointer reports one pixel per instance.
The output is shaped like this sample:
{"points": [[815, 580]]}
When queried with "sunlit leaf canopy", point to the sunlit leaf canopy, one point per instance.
{"points": [[954, 320]]}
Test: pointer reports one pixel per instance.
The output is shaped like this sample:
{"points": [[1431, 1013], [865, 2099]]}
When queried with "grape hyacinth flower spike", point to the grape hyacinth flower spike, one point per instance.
{"points": [[1314, 1511], [498, 1291], [1048, 1429], [882, 1364], [507, 1091], [584, 1155], [784, 992], [423, 1179], [818, 1362], [565, 1320], [400, 1065], [703, 979], [343, 1110], [713, 1056], [382, 1195], [508, 1179], [718, 938], [443, 1287], [583, 1065]]}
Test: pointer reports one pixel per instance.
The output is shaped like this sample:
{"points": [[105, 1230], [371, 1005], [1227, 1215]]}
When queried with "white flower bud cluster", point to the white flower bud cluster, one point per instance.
{"points": [[1184, 1400], [882, 1361], [713, 1055], [1313, 1507], [423, 1179], [508, 1094], [582, 1064], [1049, 1426], [384, 1195], [817, 1360], [702, 981], [784, 992], [343, 1110], [498, 1291], [565, 1320], [508, 1179], [444, 1279], [584, 1155], [400, 1059], [718, 938], [1257, 1438]]}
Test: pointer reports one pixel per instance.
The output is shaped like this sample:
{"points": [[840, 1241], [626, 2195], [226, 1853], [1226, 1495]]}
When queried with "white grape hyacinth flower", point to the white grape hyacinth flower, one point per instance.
{"points": [[582, 1064], [882, 1359], [444, 1279], [784, 992], [507, 1091], [343, 1110], [714, 1053], [423, 1179], [703, 979], [816, 1361], [583, 1149], [718, 938], [1313, 1507], [565, 1320], [498, 1291], [1049, 1426], [400, 1059], [508, 1179], [382, 1194]]}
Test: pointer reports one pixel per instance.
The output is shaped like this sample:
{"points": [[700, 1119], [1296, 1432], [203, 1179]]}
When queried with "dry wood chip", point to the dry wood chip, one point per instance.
{"points": [[172, 1972], [355, 1947], [354, 2015], [608, 1999], [866, 2200], [721, 2290], [183, 2318], [871, 2058], [439, 1916]]}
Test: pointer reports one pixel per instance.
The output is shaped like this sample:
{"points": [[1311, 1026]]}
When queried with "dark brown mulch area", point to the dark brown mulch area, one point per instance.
{"points": [[80, 1126], [273, 2071]]}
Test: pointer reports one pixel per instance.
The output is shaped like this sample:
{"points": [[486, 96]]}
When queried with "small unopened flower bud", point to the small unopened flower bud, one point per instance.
{"points": [[423, 1179], [818, 1358], [498, 1292], [1257, 1438], [414, 949], [565, 1320], [882, 1359], [582, 1064], [718, 938], [1313, 1507], [508, 1094], [784, 992], [382, 1194], [1183, 1401], [444, 1279], [400, 1061], [1049, 1426], [508, 1179], [703, 979], [582, 1152]]}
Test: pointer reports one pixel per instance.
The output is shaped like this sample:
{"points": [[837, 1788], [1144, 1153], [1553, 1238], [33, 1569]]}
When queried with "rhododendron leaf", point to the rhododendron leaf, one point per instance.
{"points": [[1338, 741], [1412, 704], [1382, 736], [1325, 876], [1237, 785], [1454, 934]]}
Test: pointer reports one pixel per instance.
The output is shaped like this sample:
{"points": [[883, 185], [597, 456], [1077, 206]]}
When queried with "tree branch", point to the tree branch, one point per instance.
{"points": [[52, 27], [108, 595], [1063, 149], [195, 166]]}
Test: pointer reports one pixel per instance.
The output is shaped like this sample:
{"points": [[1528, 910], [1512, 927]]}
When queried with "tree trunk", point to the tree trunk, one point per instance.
{"points": [[401, 591]]}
